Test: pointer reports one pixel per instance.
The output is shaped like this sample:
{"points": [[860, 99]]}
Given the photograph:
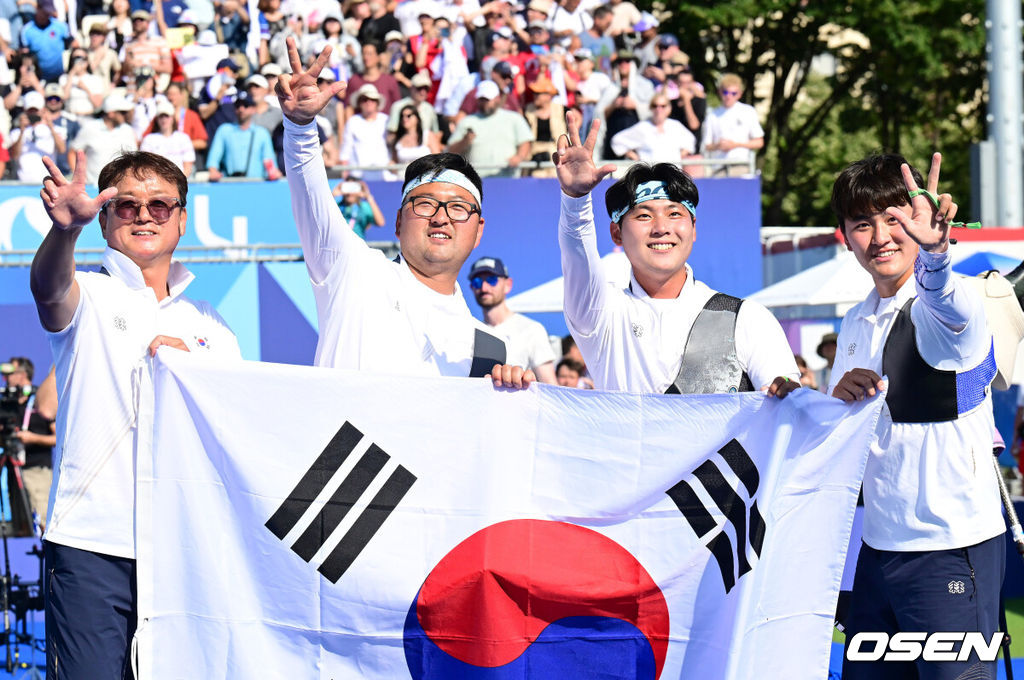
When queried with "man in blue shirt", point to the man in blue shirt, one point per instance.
{"points": [[46, 38], [242, 149]]}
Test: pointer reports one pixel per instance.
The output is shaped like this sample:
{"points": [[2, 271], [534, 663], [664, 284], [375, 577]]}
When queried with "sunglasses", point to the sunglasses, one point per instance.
{"points": [[159, 209], [734, 93], [477, 282]]}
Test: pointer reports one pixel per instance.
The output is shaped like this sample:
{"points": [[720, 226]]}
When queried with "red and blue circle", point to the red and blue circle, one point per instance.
{"points": [[537, 599]]}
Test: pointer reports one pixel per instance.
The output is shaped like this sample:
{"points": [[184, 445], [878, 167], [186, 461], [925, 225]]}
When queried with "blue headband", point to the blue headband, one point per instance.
{"points": [[651, 191], [447, 176]]}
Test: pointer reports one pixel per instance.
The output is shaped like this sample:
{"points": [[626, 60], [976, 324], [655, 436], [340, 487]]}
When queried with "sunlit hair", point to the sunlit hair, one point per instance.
{"points": [[869, 186]]}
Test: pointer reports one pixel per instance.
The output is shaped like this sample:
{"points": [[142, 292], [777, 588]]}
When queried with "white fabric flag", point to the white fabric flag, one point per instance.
{"points": [[310, 523]]}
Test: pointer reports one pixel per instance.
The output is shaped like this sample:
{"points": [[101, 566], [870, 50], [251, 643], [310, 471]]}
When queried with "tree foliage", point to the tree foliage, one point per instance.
{"points": [[841, 79]]}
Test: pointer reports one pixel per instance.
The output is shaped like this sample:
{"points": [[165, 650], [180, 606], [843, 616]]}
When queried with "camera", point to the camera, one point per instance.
{"points": [[10, 410]]}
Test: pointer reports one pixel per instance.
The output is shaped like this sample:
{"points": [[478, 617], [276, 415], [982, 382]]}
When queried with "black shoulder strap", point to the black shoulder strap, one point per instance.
{"points": [[487, 351], [710, 365], [918, 392]]}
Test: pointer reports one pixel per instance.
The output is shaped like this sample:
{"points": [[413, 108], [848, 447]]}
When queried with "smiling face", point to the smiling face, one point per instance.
{"points": [[435, 246], [658, 237], [882, 248], [145, 241], [488, 296]]}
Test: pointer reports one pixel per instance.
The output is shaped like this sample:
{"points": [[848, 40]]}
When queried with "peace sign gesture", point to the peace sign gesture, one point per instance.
{"points": [[574, 163], [301, 99], [67, 203], [931, 214]]}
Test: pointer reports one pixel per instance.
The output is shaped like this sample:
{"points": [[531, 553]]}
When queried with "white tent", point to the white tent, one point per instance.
{"points": [[547, 297], [836, 284]]}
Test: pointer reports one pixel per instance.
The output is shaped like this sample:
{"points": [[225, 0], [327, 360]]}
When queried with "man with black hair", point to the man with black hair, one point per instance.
{"points": [[405, 316], [665, 332], [101, 326], [933, 553]]}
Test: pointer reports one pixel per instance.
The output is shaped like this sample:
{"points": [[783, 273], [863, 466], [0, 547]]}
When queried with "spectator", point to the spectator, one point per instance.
{"points": [[502, 75], [120, 25], [625, 16], [626, 103], [538, 11], [146, 100], [169, 142], [373, 74], [546, 117], [364, 141], [492, 38], [590, 85], [570, 18], [333, 114], [358, 206], [272, 22], [37, 432], [26, 80], [232, 26], [667, 49], [217, 98], [266, 116], [691, 105], [413, 140], [143, 49], [807, 378], [345, 50], [732, 130], [186, 120], [271, 72], [449, 69], [526, 341], [242, 149], [66, 126], [35, 138], [646, 48], [569, 372], [103, 61], [597, 38], [408, 12], [827, 350], [103, 139], [396, 58], [659, 139], [380, 23], [494, 140], [46, 38], [417, 99], [83, 91]]}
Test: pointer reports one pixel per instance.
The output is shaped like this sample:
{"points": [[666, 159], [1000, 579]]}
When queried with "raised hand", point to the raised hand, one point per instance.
{"points": [[574, 162], [67, 203], [301, 99], [931, 214]]}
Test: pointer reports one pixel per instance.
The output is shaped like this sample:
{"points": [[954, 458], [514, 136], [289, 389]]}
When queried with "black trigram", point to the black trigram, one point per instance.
{"points": [[355, 483], [731, 505]]}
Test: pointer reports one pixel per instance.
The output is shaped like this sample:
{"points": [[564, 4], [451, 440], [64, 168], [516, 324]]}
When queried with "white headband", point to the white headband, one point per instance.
{"points": [[448, 176]]}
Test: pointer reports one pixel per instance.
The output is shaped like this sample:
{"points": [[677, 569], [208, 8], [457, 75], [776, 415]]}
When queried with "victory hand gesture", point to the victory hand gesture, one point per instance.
{"points": [[574, 162], [301, 99], [931, 215], [67, 203]]}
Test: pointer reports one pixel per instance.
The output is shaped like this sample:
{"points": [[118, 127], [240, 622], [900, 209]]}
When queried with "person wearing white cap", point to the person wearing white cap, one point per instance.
{"points": [[35, 138], [404, 316], [418, 98], [168, 141], [492, 136], [103, 139], [363, 141]]}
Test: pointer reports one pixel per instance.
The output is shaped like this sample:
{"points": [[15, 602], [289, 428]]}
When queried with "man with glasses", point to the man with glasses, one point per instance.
{"points": [[527, 341], [101, 326], [732, 130], [404, 316]]}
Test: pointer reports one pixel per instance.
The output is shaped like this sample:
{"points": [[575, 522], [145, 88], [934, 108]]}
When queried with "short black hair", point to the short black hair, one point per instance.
{"points": [[601, 11], [568, 342], [572, 365], [25, 364], [678, 184], [436, 163], [141, 164], [871, 185]]}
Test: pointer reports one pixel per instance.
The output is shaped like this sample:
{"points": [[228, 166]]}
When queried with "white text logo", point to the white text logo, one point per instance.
{"points": [[913, 646]]}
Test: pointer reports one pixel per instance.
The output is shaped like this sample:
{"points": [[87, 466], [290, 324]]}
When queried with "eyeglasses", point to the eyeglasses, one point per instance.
{"points": [[159, 209], [734, 93], [457, 211], [423, 87], [477, 282]]}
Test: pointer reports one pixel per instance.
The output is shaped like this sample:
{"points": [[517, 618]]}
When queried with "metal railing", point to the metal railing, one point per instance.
{"points": [[249, 252]]}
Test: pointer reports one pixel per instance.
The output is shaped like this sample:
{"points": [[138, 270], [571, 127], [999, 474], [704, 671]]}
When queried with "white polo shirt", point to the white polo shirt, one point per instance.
{"points": [[99, 358], [374, 314], [526, 342], [738, 123], [634, 343], [927, 486]]}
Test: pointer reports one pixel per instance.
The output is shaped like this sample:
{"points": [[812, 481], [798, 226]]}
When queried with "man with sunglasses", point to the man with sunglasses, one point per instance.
{"points": [[732, 131], [101, 326], [406, 316]]}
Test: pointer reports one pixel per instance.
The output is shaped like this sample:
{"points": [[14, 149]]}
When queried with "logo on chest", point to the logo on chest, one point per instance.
{"points": [[202, 342], [851, 350], [638, 330], [120, 324]]}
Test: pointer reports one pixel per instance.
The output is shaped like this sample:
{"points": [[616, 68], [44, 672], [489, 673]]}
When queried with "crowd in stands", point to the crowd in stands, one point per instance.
{"points": [[193, 80]]}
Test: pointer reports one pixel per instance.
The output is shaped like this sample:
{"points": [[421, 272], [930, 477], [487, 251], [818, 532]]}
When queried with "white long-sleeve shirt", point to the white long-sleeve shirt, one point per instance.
{"points": [[927, 486], [634, 343], [373, 313]]}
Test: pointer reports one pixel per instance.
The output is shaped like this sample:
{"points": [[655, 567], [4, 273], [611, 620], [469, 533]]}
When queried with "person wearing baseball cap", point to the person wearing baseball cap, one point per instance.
{"points": [[103, 139], [242, 149], [504, 136], [527, 341], [45, 37], [405, 316], [420, 88]]}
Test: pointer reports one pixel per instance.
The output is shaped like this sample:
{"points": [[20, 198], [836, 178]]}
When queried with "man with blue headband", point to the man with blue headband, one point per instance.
{"points": [[405, 316], [665, 332]]}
